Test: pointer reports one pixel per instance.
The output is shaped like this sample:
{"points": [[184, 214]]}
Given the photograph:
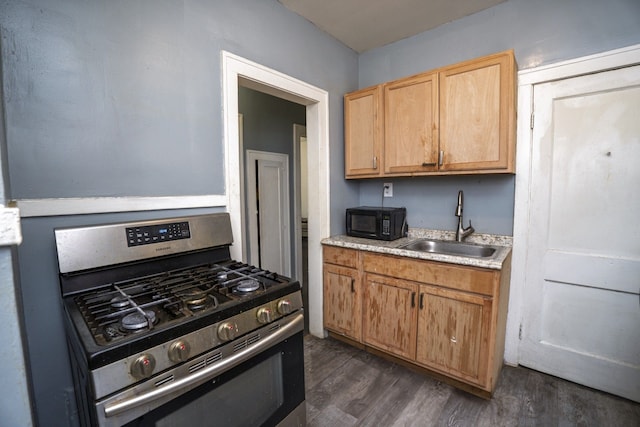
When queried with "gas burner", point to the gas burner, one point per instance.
{"points": [[136, 320], [198, 300], [120, 301], [247, 285]]}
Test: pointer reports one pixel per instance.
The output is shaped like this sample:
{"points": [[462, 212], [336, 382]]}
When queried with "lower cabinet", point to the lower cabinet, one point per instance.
{"points": [[390, 315], [453, 332], [342, 292], [445, 318]]}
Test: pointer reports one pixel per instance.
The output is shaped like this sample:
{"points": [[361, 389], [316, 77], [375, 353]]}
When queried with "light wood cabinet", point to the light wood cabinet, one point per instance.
{"points": [[477, 115], [411, 125], [448, 319], [342, 292], [458, 119], [363, 132], [390, 315], [457, 319], [453, 332]]}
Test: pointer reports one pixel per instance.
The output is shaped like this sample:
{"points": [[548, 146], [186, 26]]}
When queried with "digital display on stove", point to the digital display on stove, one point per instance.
{"points": [[150, 234]]}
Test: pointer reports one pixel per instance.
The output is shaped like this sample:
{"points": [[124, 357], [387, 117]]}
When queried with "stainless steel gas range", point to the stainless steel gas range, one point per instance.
{"points": [[165, 329]]}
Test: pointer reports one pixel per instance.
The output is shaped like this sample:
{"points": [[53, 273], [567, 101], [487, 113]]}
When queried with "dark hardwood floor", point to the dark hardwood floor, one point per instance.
{"points": [[349, 387]]}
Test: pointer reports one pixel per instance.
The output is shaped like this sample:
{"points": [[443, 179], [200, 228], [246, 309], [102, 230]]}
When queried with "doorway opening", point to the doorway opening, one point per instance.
{"points": [[240, 71]]}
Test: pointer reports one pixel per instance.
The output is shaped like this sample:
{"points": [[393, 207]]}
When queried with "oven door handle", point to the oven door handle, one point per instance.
{"points": [[174, 389]]}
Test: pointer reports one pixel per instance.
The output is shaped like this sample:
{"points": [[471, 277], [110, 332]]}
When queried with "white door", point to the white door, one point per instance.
{"points": [[581, 315], [269, 214]]}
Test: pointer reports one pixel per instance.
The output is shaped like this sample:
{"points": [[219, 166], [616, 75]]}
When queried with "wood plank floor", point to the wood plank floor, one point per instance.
{"points": [[349, 387]]}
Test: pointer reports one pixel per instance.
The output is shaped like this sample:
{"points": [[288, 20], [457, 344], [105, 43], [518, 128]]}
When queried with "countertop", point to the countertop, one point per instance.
{"points": [[503, 245]]}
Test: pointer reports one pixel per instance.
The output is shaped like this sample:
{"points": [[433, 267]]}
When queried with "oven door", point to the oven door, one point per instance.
{"points": [[265, 390]]}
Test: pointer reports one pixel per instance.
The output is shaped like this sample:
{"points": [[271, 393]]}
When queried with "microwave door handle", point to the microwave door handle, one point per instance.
{"points": [[203, 375]]}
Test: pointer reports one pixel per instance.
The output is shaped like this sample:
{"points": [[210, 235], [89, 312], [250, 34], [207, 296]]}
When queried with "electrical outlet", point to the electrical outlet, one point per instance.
{"points": [[388, 189]]}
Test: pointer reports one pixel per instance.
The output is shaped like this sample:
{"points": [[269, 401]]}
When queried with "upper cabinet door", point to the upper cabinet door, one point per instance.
{"points": [[410, 122], [477, 115], [363, 132]]}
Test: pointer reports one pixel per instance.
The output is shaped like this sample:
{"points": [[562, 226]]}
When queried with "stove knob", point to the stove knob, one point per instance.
{"points": [[284, 307], [264, 315], [143, 366], [179, 351], [227, 331]]}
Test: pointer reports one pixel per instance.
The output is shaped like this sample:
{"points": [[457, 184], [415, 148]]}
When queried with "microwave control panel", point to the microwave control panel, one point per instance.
{"points": [[386, 221]]}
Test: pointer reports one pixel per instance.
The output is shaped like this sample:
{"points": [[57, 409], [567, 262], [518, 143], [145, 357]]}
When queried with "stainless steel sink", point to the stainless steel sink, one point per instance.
{"points": [[450, 248]]}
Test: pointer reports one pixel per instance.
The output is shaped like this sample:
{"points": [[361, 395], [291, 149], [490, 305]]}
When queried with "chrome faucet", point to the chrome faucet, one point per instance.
{"points": [[462, 232]]}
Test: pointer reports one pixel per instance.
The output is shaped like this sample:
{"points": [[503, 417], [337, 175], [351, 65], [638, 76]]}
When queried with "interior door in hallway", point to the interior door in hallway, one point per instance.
{"points": [[269, 212], [581, 319]]}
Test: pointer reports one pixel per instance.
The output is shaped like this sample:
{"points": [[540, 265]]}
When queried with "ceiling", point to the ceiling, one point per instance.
{"points": [[367, 24]]}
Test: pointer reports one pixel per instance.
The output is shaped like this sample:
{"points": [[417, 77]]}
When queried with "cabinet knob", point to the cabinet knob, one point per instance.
{"points": [[453, 339]]}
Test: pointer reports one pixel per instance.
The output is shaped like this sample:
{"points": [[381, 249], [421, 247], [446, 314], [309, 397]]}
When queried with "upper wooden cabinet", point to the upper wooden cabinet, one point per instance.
{"points": [[458, 119], [363, 132], [477, 115], [411, 125]]}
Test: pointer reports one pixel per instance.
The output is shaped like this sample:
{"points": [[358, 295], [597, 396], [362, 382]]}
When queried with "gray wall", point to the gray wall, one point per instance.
{"points": [[268, 126], [541, 32], [102, 96], [106, 98], [15, 406]]}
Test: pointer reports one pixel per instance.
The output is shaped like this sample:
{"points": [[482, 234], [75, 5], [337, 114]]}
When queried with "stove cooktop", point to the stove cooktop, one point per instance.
{"points": [[137, 306]]}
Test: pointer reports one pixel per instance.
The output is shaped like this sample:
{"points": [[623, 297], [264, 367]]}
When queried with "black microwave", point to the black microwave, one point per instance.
{"points": [[377, 223]]}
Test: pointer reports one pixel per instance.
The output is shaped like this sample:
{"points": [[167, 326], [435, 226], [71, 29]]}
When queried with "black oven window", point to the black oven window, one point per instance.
{"points": [[246, 400], [261, 391]]}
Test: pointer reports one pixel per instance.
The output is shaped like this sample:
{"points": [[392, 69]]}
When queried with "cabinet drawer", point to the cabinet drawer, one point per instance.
{"points": [[463, 278], [341, 256]]}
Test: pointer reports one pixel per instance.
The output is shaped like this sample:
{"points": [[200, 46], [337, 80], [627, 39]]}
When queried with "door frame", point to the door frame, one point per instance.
{"points": [[251, 157], [299, 131], [527, 79], [240, 71]]}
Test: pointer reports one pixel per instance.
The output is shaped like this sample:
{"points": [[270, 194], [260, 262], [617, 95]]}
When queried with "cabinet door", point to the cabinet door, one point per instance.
{"points": [[342, 301], [477, 114], [390, 315], [363, 132], [410, 122], [453, 333]]}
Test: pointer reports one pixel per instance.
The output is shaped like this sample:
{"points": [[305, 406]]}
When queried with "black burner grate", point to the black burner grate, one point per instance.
{"points": [[168, 297]]}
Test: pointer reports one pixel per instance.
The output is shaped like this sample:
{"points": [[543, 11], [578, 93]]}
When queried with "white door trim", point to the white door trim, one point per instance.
{"points": [[256, 76], [526, 81], [299, 131]]}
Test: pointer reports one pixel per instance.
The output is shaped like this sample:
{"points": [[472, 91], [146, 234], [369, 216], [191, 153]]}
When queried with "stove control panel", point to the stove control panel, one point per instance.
{"points": [[149, 234]]}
